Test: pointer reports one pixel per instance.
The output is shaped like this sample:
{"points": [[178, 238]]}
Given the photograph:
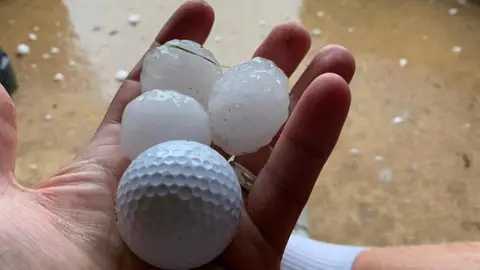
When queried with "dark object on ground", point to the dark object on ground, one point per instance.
{"points": [[7, 76]]}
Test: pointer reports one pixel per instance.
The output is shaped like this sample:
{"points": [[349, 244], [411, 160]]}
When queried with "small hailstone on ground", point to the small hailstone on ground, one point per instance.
{"points": [[33, 65], [320, 14], [402, 62], [354, 152], [23, 49], [32, 36], [453, 11], [462, 2], [121, 75], [217, 38], [316, 32], [414, 167], [385, 175], [59, 77], [48, 117], [351, 29], [45, 55], [262, 23], [398, 120], [36, 28], [379, 158], [33, 166], [457, 49], [71, 63], [134, 19], [54, 50]]}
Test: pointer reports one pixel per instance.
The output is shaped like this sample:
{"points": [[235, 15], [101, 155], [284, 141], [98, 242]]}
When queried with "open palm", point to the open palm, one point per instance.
{"points": [[68, 220]]}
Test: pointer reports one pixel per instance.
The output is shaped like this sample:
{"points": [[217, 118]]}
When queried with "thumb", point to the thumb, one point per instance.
{"points": [[8, 133]]}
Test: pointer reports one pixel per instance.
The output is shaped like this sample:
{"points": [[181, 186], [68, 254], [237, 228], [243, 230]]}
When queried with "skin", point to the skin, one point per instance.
{"points": [[68, 219]]}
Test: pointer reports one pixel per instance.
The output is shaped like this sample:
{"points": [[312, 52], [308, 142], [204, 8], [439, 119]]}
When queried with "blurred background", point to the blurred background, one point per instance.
{"points": [[407, 167]]}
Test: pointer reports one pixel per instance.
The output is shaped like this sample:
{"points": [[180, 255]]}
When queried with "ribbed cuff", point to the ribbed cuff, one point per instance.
{"points": [[303, 253]]}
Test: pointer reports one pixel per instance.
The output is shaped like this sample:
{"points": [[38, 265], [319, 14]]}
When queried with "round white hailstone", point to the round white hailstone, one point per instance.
{"points": [[178, 197], [33, 166], [351, 29], [385, 175], [33, 65], [397, 120], [402, 62], [23, 49], [453, 11], [320, 14], [379, 158], [316, 32], [32, 36], [54, 50], [158, 116], [182, 65], [59, 77], [262, 22], [248, 106], [457, 49], [72, 63], [36, 28], [121, 75], [134, 19], [354, 152]]}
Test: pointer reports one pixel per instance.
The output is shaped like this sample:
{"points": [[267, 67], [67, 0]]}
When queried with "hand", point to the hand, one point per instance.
{"points": [[68, 220]]}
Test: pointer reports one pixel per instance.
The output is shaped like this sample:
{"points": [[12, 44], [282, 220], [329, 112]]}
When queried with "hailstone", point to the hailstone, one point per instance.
{"points": [[158, 116], [182, 65], [248, 106]]}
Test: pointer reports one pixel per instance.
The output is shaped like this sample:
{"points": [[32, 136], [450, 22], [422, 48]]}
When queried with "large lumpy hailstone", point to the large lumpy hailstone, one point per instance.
{"points": [[248, 106], [162, 115], [182, 65]]}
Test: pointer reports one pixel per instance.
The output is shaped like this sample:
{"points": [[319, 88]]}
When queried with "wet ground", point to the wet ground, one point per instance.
{"points": [[406, 169]]}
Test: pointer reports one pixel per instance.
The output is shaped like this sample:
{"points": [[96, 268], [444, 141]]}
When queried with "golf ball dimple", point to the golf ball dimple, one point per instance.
{"points": [[162, 115], [248, 106], [182, 65], [178, 197]]}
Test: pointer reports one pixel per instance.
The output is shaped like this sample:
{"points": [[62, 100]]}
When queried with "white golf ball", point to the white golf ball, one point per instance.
{"points": [[182, 65], [178, 205], [158, 116], [248, 106]]}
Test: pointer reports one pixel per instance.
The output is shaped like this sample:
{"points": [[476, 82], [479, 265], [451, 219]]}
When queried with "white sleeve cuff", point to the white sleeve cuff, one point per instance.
{"points": [[303, 253]]}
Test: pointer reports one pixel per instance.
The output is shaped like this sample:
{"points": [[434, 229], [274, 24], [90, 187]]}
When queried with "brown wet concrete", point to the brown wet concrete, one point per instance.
{"points": [[433, 155]]}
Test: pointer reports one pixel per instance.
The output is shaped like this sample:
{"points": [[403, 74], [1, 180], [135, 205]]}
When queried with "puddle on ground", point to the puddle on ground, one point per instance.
{"points": [[431, 154]]}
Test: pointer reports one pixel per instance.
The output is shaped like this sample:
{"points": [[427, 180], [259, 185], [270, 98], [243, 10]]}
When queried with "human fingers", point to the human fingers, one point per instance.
{"points": [[283, 186], [193, 20], [286, 45], [331, 59], [8, 133]]}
